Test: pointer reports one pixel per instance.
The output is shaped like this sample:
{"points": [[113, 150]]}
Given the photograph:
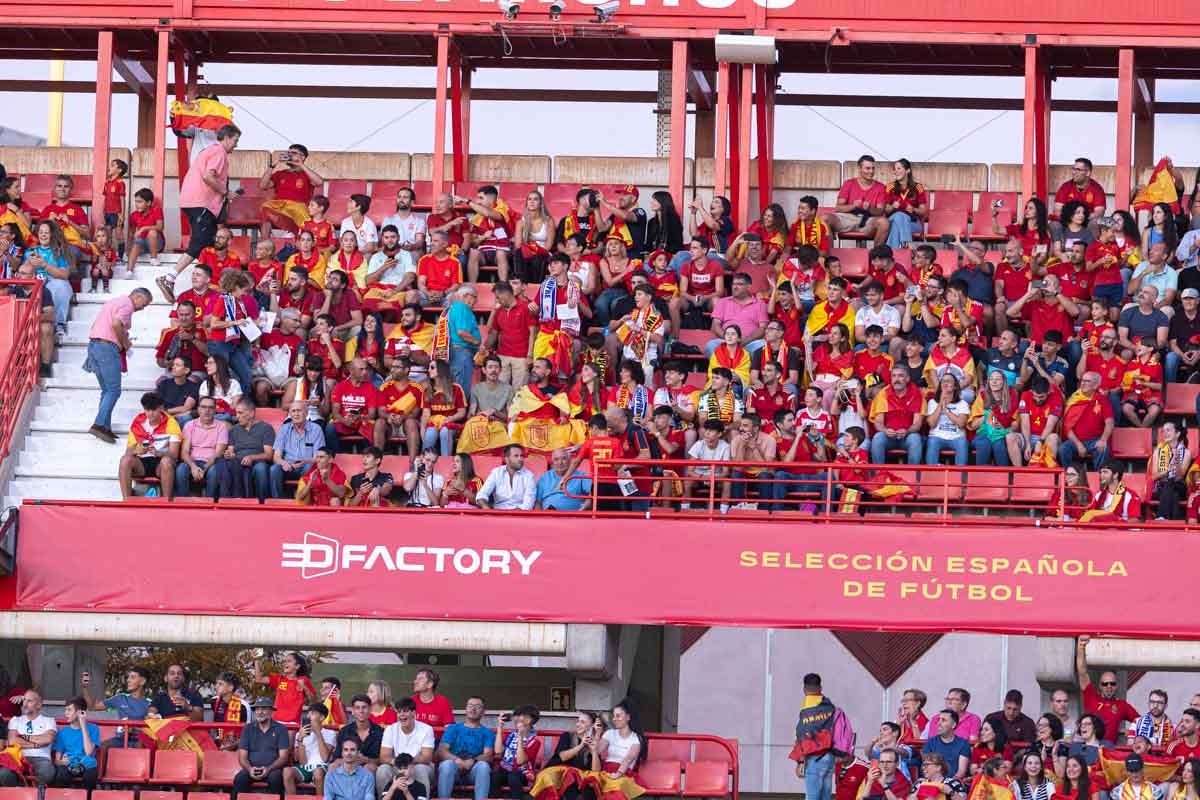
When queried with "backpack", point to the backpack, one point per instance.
{"points": [[843, 734]]}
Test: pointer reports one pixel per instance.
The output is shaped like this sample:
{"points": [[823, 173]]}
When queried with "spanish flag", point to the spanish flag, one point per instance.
{"points": [[1159, 189], [174, 734], [536, 426], [481, 435], [1158, 768], [1043, 456], [985, 788], [1076, 406], [203, 113]]}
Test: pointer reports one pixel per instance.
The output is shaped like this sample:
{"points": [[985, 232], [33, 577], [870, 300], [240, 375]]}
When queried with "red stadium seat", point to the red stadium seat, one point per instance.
{"points": [[1181, 398], [670, 750], [339, 190], [983, 206], [39, 183], [126, 765], [947, 259], [112, 794], [1030, 488], [560, 197], [64, 794], [19, 793], [1131, 443], [486, 295], [210, 795], [946, 222], [219, 769], [981, 227], [272, 416], [257, 796], [706, 779], [241, 246], [958, 201], [243, 211], [146, 794], [854, 261], [711, 751], [986, 488], [938, 487], [514, 193], [471, 188], [660, 778]]}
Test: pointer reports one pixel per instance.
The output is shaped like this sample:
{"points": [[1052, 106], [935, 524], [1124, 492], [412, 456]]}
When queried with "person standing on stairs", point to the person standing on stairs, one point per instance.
{"points": [[107, 353]]}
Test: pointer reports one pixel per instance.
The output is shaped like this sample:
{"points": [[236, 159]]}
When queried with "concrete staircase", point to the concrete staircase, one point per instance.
{"points": [[58, 459]]}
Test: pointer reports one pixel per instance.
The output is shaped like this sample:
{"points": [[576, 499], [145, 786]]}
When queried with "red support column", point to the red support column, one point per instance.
{"points": [[439, 114], [104, 70], [1125, 90], [1029, 150], [721, 132], [182, 146], [735, 143], [1041, 174], [456, 127], [743, 155], [466, 117], [678, 155], [770, 102], [158, 170], [763, 136]]}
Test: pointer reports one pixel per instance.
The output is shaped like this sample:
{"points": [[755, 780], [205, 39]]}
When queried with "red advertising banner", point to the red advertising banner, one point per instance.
{"points": [[1003, 578]]}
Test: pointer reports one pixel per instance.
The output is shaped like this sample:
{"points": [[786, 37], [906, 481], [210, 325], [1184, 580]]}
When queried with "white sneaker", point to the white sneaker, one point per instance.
{"points": [[746, 507], [154, 261], [724, 508], [685, 507], [60, 336]]}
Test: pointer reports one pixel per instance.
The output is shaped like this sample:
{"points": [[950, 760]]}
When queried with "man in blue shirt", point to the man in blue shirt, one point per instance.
{"points": [[129, 704], [350, 780], [552, 498], [296, 446], [464, 336], [466, 753], [950, 746], [75, 747]]}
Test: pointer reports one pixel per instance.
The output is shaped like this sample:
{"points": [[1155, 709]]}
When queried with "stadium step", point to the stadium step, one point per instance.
{"points": [[72, 411], [72, 376], [20, 488], [68, 455]]}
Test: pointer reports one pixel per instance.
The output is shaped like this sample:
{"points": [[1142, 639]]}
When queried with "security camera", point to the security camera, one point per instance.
{"points": [[605, 11], [510, 8], [556, 9]]}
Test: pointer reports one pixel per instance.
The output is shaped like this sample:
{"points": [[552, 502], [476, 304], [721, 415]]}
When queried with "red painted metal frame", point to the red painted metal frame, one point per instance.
{"points": [[103, 127], [182, 146], [456, 117], [20, 372], [159, 169], [735, 145], [764, 87], [1125, 89], [721, 129], [439, 114], [745, 98], [679, 120]]}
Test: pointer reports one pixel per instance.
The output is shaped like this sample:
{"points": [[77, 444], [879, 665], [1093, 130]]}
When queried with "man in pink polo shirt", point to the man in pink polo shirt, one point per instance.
{"points": [[742, 308], [108, 342], [204, 191]]}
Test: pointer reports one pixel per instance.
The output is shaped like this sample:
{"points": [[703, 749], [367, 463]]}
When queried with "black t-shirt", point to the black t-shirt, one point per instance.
{"points": [[1185, 332], [667, 237], [916, 375], [167, 708], [174, 395], [979, 283], [381, 478], [637, 230], [368, 747], [583, 226], [581, 760], [1189, 278]]}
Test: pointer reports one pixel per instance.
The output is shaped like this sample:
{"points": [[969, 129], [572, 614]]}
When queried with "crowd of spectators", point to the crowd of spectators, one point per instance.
{"points": [[371, 339], [374, 747]]}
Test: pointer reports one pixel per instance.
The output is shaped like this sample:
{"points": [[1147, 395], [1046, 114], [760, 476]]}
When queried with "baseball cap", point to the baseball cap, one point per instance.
{"points": [[1190, 294], [629, 188], [1134, 763]]}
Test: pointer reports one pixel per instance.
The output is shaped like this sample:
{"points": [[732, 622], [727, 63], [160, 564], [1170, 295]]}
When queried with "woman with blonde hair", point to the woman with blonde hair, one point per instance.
{"points": [[382, 712], [534, 241]]}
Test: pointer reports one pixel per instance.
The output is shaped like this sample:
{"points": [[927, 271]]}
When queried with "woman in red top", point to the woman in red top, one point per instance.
{"points": [[223, 325], [773, 228], [1077, 782], [1033, 230], [293, 689], [586, 394], [309, 257], [381, 712], [907, 205], [830, 363], [445, 408], [992, 743], [463, 484], [348, 258], [993, 418]]}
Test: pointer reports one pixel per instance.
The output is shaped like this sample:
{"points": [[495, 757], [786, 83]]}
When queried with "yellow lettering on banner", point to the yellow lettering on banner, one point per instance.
{"points": [[861, 562], [907, 588], [876, 589], [1118, 568], [788, 563], [813, 560], [770, 559], [852, 589], [837, 560], [748, 558], [955, 563]]}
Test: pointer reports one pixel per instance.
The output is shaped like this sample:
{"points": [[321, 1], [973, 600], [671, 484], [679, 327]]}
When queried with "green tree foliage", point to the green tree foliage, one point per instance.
{"points": [[204, 665]]}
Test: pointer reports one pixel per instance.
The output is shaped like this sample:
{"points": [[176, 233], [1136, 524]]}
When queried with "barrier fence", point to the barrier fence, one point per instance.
{"points": [[19, 358]]}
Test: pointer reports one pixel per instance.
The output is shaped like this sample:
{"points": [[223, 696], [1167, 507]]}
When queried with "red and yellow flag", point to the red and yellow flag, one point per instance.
{"points": [[1158, 768], [202, 113], [175, 734], [1159, 189], [985, 788]]}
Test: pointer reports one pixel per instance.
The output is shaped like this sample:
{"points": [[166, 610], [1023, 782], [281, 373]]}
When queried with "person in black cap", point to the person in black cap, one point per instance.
{"points": [[262, 751], [1136, 786]]}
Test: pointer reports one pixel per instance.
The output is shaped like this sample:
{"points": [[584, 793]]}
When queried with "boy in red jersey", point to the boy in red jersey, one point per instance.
{"points": [[114, 201], [324, 235], [145, 228]]}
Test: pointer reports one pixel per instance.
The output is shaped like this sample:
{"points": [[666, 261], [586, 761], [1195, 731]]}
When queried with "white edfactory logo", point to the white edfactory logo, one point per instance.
{"points": [[319, 555]]}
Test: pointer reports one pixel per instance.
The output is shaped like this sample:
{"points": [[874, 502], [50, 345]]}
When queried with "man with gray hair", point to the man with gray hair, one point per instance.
{"points": [[108, 341], [1087, 424], [1143, 320], [464, 335], [245, 468]]}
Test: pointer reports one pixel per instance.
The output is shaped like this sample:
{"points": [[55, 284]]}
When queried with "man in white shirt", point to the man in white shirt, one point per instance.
{"points": [[34, 733], [313, 751], [410, 227], [406, 735], [510, 485], [875, 312]]}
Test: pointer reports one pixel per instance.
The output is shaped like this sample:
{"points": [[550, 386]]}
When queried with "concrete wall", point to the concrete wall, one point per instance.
{"points": [[746, 684]]}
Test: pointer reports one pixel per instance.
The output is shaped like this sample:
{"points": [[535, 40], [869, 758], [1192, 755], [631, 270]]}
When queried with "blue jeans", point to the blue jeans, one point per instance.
{"points": [[881, 443], [602, 313], [61, 293], [333, 439], [479, 776], [279, 475], [818, 777], [987, 452], [1171, 366], [104, 361], [183, 480], [183, 419], [935, 447], [901, 231], [802, 482], [462, 367], [678, 260], [751, 347], [237, 353], [441, 437], [1067, 453], [234, 480], [737, 488]]}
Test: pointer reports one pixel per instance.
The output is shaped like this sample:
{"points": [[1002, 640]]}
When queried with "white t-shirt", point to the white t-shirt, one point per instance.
{"points": [[367, 233], [403, 266], [231, 396], [420, 493], [409, 228], [312, 751], [701, 452], [945, 428], [886, 317], [24, 726], [411, 743], [618, 748]]}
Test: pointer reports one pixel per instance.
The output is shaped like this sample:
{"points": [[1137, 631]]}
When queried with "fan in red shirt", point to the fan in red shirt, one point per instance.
{"points": [[897, 415], [438, 272], [597, 447], [848, 777], [1033, 231], [701, 281], [886, 272], [884, 779], [1142, 382], [962, 313], [298, 294], [292, 184], [68, 214], [202, 294], [184, 340], [450, 222], [1104, 261], [432, 708], [324, 484], [1081, 187], [1187, 743], [1047, 309], [771, 396], [512, 330], [219, 257], [355, 402], [293, 689], [872, 365], [1102, 702], [323, 231], [807, 229], [1104, 361], [264, 268], [1013, 274], [114, 193], [145, 229], [1039, 410]]}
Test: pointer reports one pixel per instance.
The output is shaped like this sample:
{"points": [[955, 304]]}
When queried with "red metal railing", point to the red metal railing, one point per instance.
{"points": [[19, 372]]}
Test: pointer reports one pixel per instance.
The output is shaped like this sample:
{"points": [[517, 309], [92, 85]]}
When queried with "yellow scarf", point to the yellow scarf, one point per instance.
{"points": [[639, 340], [441, 337], [718, 409]]}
